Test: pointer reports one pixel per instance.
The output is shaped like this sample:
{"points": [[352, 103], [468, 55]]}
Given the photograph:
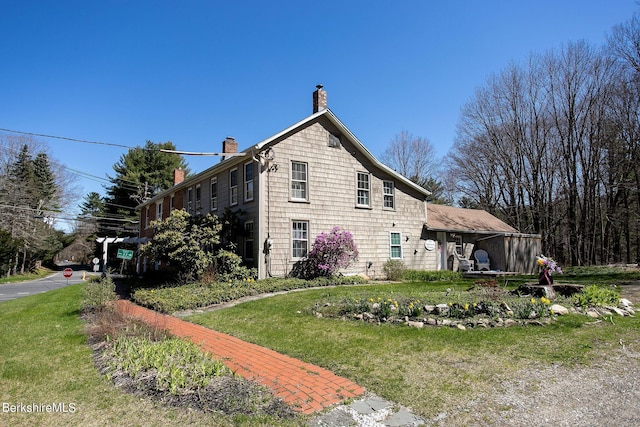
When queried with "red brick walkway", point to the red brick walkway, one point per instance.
{"points": [[306, 387]]}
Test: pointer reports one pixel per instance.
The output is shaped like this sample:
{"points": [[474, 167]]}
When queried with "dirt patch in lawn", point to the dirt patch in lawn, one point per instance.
{"points": [[630, 290]]}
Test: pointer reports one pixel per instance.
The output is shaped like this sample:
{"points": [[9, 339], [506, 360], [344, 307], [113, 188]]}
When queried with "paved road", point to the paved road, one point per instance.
{"points": [[11, 291]]}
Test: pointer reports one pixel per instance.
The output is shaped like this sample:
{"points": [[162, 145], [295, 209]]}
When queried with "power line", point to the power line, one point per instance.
{"points": [[78, 218], [110, 144], [133, 185], [66, 138], [125, 184]]}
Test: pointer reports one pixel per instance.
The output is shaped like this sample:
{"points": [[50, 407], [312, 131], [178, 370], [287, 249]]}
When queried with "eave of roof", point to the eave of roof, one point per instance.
{"points": [[352, 138], [275, 138], [461, 220]]}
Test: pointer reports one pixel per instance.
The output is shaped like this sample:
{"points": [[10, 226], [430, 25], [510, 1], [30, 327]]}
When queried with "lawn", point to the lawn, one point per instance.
{"points": [[37, 274], [45, 360], [427, 369]]}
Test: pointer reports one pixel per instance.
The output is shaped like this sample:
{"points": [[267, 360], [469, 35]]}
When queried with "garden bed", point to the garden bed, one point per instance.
{"points": [[150, 363], [485, 305], [171, 299]]}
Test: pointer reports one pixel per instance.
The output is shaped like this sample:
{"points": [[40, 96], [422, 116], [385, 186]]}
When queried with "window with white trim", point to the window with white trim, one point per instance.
{"points": [[299, 180], [214, 193], [388, 189], [395, 245], [363, 196], [172, 204], [299, 239], [190, 200], [248, 240], [248, 181], [198, 198], [159, 211], [233, 186], [146, 218]]}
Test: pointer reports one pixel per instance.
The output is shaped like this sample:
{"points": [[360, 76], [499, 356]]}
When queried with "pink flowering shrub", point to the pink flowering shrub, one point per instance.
{"points": [[332, 251]]}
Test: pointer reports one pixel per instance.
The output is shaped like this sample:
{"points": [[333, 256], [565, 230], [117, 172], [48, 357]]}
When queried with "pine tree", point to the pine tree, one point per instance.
{"points": [[44, 183], [27, 192], [140, 174]]}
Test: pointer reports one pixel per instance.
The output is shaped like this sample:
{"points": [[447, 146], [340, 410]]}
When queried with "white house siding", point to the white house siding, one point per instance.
{"points": [[331, 189]]}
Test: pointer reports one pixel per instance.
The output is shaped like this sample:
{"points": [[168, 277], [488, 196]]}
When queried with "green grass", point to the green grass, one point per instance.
{"points": [[37, 274], [169, 299], [45, 359], [426, 369]]}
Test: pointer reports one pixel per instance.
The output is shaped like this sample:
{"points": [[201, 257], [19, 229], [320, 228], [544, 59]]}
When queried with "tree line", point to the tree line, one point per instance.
{"points": [[31, 190], [552, 146]]}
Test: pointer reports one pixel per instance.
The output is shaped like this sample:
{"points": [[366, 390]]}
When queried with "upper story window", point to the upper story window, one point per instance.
{"points": [[233, 186], [198, 198], [363, 196], [334, 141], [248, 182], [146, 218], [299, 181], [388, 189], [172, 202], [190, 200], [159, 211], [214, 193]]}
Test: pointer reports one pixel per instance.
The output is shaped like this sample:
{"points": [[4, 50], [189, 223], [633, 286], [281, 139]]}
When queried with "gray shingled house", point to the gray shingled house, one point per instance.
{"points": [[460, 232], [301, 182]]}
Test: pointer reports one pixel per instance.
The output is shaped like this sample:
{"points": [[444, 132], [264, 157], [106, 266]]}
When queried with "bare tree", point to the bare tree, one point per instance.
{"points": [[502, 151], [624, 209], [532, 148], [414, 157], [578, 82], [624, 42]]}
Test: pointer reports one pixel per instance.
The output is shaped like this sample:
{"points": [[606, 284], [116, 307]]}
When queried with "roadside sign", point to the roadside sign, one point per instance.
{"points": [[124, 254], [67, 272]]}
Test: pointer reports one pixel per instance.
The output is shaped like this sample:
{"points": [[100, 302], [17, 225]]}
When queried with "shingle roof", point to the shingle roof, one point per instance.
{"points": [[449, 218]]}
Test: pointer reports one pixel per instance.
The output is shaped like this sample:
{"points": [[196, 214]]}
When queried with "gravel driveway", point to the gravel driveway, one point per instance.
{"points": [[606, 393]]}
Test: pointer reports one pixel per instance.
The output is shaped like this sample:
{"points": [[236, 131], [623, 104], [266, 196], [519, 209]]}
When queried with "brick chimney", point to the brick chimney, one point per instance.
{"points": [[319, 99], [178, 176], [230, 146]]}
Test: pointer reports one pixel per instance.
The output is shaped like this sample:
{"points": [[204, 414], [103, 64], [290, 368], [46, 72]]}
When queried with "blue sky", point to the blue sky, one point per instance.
{"points": [[194, 72]]}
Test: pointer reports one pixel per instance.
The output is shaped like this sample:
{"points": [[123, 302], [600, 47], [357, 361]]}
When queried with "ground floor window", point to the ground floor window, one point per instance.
{"points": [[395, 245], [248, 240], [299, 239]]}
